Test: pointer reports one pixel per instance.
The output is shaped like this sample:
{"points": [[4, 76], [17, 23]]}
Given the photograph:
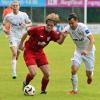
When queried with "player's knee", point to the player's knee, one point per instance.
{"points": [[14, 54], [74, 69], [46, 75], [17, 58], [34, 74], [73, 72]]}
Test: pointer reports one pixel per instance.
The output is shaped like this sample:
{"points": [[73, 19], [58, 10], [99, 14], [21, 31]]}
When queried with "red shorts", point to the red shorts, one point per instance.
{"points": [[33, 58]]}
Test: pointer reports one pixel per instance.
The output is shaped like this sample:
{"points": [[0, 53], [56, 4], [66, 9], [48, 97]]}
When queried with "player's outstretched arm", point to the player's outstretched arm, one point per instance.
{"points": [[62, 37], [22, 41]]}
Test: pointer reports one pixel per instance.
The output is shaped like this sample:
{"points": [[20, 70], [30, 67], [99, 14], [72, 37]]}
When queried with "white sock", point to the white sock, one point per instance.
{"points": [[13, 67], [74, 82]]}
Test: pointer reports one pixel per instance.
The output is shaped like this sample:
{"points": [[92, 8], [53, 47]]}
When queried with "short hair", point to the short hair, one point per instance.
{"points": [[53, 17], [72, 15], [16, 1]]}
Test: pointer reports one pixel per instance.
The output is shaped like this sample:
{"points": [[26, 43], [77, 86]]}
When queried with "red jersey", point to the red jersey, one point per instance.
{"points": [[39, 38]]}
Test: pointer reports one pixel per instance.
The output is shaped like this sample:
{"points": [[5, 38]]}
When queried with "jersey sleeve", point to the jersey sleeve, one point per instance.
{"points": [[55, 36], [86, 31], [27, 19], [32, 30]]}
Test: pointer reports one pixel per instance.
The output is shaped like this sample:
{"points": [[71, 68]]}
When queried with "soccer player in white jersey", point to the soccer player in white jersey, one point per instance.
{"points": [[84, 51], [19, 22]]}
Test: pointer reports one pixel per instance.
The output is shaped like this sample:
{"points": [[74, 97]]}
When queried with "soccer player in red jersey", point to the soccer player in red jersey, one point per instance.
{"points": [[34, 56]]}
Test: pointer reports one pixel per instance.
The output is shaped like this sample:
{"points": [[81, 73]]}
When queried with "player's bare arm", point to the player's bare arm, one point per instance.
{"points": [[4, 27], [27, 25], [22, 41], [91, 38], [62, 37]]}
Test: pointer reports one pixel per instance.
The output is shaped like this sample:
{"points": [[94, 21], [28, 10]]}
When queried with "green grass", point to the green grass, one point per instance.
{"points": [[59, 59]]}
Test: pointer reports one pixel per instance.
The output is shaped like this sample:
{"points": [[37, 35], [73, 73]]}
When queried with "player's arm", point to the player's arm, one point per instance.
{"points": [[29, 32], [28, 22], [22, 41], [4, 26], [91, 38], [28, 25], [62, 37]]}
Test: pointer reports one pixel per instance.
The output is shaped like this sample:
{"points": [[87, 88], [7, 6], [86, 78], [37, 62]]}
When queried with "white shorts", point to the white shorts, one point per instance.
{"points": [[88, 60], [13, 41]]}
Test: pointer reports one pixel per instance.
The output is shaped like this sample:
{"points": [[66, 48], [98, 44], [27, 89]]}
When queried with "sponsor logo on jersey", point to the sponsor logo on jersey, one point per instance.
{"points": [[87, 31]]}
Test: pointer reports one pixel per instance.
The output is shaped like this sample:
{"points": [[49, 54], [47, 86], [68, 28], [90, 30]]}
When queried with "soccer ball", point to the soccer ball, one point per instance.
{"points": [[29, 90]]}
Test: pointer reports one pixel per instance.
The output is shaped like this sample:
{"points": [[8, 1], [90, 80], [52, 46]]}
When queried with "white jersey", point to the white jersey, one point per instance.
{"points": [[16, 21], [79, 36]]}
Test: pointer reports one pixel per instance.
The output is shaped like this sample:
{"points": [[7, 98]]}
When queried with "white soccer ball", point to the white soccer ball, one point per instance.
{"points": [[29, 90]]}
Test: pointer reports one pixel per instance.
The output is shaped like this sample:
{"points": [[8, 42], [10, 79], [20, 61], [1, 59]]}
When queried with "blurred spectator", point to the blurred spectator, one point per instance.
{"points": [[7, 10]]}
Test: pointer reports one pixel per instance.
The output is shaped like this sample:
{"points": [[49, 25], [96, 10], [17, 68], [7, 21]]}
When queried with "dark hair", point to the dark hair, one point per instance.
{"points": [[72, 15]]}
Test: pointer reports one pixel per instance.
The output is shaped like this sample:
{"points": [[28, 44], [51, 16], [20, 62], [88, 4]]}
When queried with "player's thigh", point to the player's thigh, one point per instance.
{"points": [[13, 50], [12, 41], [45, 70], [89, 61], [29, 57], [76, 59], [41, 59], [32, 69], [42, 63]]}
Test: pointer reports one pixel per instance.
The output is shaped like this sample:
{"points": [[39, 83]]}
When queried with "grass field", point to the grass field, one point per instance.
{"points": [[59, 59]]}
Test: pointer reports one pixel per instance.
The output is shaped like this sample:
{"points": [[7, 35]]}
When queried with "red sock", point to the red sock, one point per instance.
{"points": [[29, 77], [44, 84]]}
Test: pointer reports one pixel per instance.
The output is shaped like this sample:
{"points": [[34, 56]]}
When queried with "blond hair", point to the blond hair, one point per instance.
{"points": [[53, 17], [16, 1]]}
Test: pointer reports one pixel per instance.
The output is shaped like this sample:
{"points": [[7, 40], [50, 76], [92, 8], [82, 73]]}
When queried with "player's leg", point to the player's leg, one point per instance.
{"points": [[74, 78], [76, 61], [30, 75], [45, 79], [29, 58], [42, 62], [13, 48], [18, 53], [14, 61], [89, 63], [89, 76]]}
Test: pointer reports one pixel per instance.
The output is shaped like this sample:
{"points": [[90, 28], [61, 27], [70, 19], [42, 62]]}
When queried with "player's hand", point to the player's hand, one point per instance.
{"points": [[20, 47], [64, 34], [85, 52], [7, 31], [6, 28]]}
